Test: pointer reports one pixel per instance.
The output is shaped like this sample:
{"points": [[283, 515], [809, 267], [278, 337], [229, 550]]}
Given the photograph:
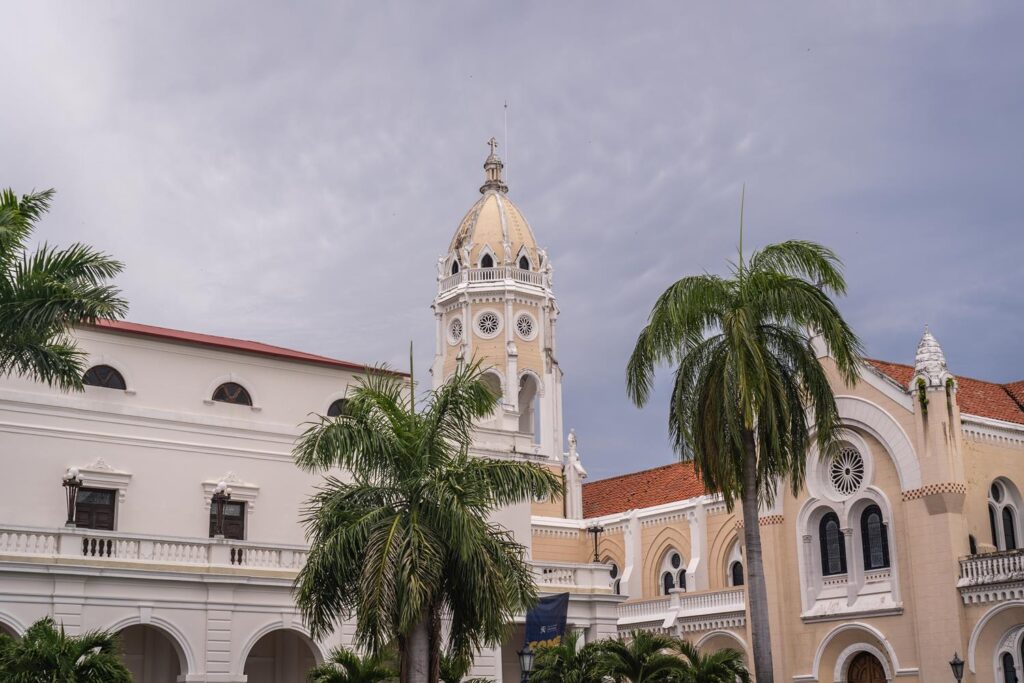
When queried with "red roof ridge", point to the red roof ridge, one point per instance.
{"points": [[956, 375], [639, 472], [231, 343]]}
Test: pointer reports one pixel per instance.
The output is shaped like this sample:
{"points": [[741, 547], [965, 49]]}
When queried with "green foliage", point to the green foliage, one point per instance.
{"points": [[406, 538], [45, 654], [746, 364], [345, 666], [642, 657], [455, 669], [747, 379], [46, 293], [723, 666], [922, 395], [569, 663]]}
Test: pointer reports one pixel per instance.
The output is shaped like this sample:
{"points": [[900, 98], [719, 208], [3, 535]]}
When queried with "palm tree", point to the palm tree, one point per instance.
{"points": [[723, 666], [455, 669], [567, 662], [747, 374], [642, 657], [407, 542], [45, 294], [345, 666], [46, 655]]}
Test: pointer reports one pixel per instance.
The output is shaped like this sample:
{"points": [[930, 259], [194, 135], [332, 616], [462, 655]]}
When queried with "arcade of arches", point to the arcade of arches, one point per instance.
{"points": [[280, 657]]}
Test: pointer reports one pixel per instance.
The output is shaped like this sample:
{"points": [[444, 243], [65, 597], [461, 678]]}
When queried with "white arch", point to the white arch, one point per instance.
{"points": [[869, 416], [972, 644], [344, 393], [536, 378], [851, 651], [103, 359], [13, 622], [855, 626], [180, 643], [728, 634], [279, 625]]}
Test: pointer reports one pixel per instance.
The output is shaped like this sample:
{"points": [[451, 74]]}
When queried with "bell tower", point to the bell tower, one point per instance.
{"points": [[495, 304]]}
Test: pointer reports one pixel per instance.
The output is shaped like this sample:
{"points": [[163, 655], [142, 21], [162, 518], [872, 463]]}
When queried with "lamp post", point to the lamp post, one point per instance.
{"points": [[957, 665], [72, 482], [221, 495], [595, 530], [526, 656]]}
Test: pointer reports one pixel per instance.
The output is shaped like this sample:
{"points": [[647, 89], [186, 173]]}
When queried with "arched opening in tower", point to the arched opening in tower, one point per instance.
{"points": [[529, 415]]}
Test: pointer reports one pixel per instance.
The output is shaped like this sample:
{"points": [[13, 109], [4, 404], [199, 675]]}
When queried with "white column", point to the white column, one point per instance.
{"points": [[632, 573], [697, 569]]}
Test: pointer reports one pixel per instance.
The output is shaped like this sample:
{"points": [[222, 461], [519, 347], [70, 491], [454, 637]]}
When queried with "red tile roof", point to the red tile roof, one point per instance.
{"points": [[665, 484], [229, 344], [974, 396]]}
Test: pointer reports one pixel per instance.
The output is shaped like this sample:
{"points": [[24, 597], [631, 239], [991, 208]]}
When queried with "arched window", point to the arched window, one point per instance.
{"points": [[736, 570], [339, 407], [972, 544], [524, 263], [455, 267], [1003, 511], [231, 392], [487, 261], [673, 572], [104, 376], [833, 547], [1009, 669], [1009, 529], [874, 538]]}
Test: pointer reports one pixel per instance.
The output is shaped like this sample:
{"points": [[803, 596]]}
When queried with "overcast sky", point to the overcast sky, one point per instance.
{"points": [[289, 172]]}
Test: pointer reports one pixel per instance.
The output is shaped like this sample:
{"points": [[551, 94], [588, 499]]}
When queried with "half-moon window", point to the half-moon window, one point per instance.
{"points": [[487, 261], [231, 392], [524, 263], [339, 407], [104, 376]]}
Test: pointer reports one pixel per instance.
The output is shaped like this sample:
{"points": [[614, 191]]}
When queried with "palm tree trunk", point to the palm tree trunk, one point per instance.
{"points": [[757, 591], [416, 661]]}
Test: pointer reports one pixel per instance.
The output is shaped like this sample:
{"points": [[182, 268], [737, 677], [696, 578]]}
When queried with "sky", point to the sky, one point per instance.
{"points": [[290, 172]]}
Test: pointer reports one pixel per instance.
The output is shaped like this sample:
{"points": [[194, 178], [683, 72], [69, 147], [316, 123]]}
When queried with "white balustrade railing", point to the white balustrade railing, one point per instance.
{"points": [[681, 605], [572, 577], [103, 545], [989, 568], [484, 275]]}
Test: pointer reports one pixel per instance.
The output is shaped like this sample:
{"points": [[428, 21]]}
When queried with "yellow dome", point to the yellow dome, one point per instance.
{"points": [[495, 225]]}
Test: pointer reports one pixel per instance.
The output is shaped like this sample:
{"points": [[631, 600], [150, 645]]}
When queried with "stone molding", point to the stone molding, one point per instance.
{"points": [[935, 489]]}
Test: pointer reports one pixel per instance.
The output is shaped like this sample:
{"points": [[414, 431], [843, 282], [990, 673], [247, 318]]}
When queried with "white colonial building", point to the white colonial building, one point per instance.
{"points": [[169, 418]]}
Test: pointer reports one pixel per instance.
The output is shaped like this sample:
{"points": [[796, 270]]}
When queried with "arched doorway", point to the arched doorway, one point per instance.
{"points": [[865, 668], [150, 654], [281, 656]]}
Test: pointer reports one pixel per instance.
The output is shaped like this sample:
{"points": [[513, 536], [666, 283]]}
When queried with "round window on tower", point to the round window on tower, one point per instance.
{"points": [[846, 471], [526, 326], [488, 324], [455, 331]]}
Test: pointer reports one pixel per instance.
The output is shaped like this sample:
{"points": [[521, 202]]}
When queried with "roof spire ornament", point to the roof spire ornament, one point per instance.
{"points": [[930, 362], [492, 170]]}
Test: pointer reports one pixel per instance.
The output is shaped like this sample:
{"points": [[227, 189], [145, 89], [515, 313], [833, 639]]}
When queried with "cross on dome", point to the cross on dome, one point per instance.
{"points": [[492, 170]]}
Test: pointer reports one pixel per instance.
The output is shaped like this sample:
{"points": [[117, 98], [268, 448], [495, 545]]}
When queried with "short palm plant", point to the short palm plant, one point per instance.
{"points": [[46, 654], [455, 669], [642, 657], [567, 662], [345, 666], [722, 666], [45, 293], [405, 541], [747, 377]]}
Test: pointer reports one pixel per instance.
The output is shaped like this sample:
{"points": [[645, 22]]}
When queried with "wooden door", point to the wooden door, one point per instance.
{"points": [[94, 509], [865, 668]]}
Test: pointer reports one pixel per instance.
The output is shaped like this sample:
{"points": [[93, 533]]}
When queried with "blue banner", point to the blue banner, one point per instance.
{"points": [[545, 623]]}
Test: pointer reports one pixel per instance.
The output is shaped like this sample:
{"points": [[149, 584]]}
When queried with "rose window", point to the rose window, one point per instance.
{"points": [[488, 324], [455, 330], [847, 471], [525, 326]]}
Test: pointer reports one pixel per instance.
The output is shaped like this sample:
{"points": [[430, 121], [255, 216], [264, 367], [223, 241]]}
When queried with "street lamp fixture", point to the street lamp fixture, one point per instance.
{"points": [[957, 665], [526, 656], [72, 482], [595, 530], [221, 495]]}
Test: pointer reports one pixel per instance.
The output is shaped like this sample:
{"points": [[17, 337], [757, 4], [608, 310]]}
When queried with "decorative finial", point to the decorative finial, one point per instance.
{"points": [[930, 362], [492, 170]]}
